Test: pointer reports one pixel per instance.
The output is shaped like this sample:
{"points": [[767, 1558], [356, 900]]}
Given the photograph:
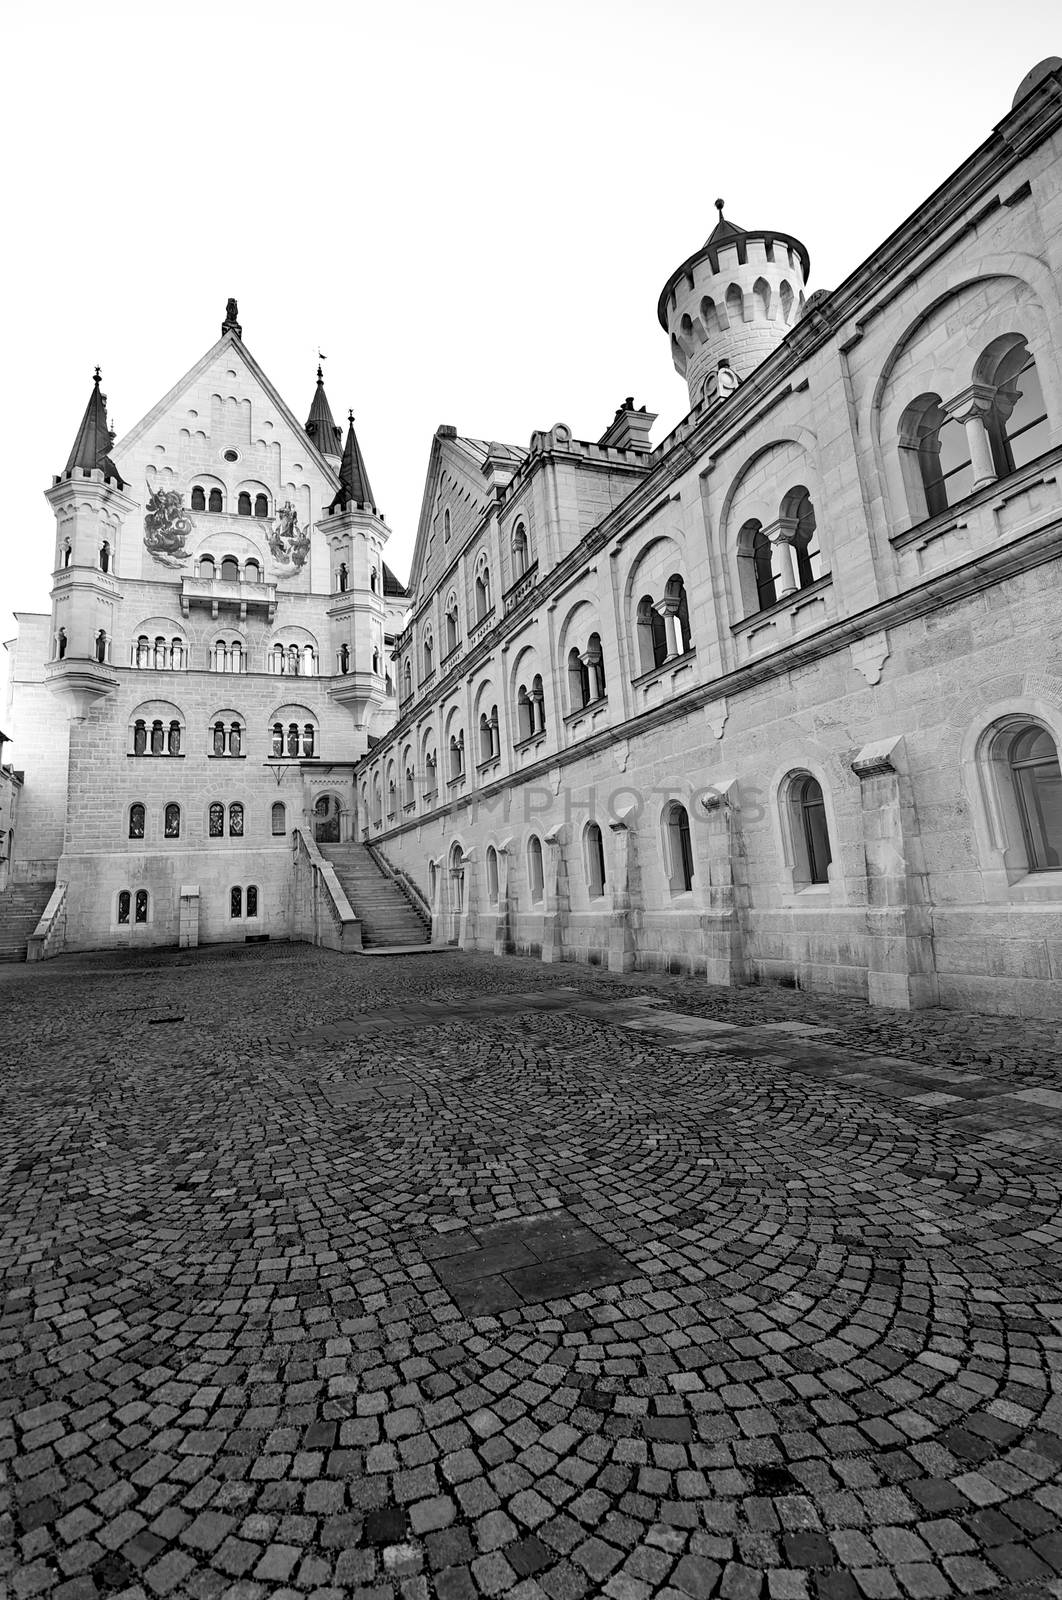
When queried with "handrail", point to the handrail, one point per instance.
{"points": [[49, 936], [402, 881], [343, 930]]}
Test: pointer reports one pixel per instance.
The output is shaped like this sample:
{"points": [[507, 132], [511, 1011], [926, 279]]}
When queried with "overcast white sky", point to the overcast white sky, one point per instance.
{"points": [[470, 206]]}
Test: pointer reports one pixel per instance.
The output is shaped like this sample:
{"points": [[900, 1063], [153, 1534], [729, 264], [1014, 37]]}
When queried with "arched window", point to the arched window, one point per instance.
{"points": [[373, 580], [206, 567], [392, 800], [431, 773], [101, 646], [278, 739], [1017, 420], [198, 498], [279, 818], [230, 569], [308, 739], [252, 900], [344, 658], [762, 564], [236, 901], [735, 305], [677, 613], [451, 624], [173, 739], [407, 681], [595, 860], [261, 505], [105, 557], [137, 815], [172, 821], [177, 653], [125, 905], [159, 655], [140, 906], [519, 551], [411, 793], [486, 741], [252, 572], [243, 504], [1033, 761], [293, 739], [235, 739], [935, 457], [158, 739], [218, 739], [785, 295], [68, 553], [457, 755], [595, 666], [429, 654], [538, 704], [216, 820], [483, 600], [534, 869], [216, 501], [375, 660], [809, 831], [578, 680], [60, 644], [447, 525], [341, 582], [652, 635], [678, 848], [492, 875], [140, 737], [235, 820], [294, 660], [525, 725]]}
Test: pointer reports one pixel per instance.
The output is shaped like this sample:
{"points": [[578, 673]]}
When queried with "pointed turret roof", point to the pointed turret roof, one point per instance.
{"points": [[320, 424], [353, 476], [724, 231], [91, 451]]}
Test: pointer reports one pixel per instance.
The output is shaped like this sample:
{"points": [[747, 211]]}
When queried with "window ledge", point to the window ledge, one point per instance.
{"points": [[685, 659], [1033, 886], [491, 763], [532, 741], [593, 706], [943, 521], [787, 603], [213, 756], [152, 755]]}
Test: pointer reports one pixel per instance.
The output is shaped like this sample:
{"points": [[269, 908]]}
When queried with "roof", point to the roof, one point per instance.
{"points": [[353, 474], [391, 586], [94, 441], [722, 236], [320, 424]]}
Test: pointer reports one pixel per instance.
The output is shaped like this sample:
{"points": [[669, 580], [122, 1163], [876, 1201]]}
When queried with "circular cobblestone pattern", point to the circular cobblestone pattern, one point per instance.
{"points": [[444, 1276]]}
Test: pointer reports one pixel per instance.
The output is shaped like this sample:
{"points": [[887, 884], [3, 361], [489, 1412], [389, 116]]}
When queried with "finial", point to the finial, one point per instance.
{"points": [[350, 418], [231, 324], [320, 375], [719, 208], [96, 377]]}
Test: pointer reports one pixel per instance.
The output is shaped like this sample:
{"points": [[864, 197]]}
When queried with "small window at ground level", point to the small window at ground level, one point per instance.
{"points": [[679, 849], [236, 902], [252, 900], [1034, 766], [124, 905], [141, 908]]}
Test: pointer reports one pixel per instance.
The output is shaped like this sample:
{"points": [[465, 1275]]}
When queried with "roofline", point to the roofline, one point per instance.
{"points": [[736, 241]]}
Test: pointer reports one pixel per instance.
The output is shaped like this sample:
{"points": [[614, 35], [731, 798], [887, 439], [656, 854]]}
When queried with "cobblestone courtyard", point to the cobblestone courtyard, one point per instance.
{"points": [[439, 1276]]}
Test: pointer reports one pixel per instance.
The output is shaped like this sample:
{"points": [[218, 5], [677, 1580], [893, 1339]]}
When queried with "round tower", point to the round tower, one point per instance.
{"points": [[730, 304]]}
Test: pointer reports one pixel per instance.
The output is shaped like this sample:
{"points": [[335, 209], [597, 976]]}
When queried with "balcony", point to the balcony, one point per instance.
{"points": [[215, 594], [520, 589]]}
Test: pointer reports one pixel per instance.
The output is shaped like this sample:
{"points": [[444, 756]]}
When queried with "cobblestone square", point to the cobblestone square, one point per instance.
{"points": [[447, 1276]]}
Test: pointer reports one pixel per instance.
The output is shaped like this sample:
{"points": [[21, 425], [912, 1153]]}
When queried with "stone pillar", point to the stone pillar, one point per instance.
{"points": [[438, 912], [970, 407], [503, 938], [723, 922], [468, 922], [621, 946], [668, 609], [554, 921], [188, 917], [782, 535], [901, 966], [592, 663]]}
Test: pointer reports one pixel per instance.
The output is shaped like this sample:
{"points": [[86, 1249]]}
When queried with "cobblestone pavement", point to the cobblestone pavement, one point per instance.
{"points": [[441, 1276]]}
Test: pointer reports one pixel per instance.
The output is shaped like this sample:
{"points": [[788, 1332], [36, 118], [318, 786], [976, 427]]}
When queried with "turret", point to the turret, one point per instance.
{"points": [[356, 534], [731, 304], [90, 505], [321, 426]]}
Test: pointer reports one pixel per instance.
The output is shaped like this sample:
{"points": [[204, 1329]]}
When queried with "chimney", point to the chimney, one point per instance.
{"points": [[629, 428]]}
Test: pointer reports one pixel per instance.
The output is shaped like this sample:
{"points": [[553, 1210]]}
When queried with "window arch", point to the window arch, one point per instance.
{"points": [[429, 653], [678, 848], [140, 906], [206, 568], [243, 504], [217, 501], [198, 498], [457, 755], [137, 818], [594, 848], [652, 638], [578, 680], [230, 569], [252, 571], [808, 830], [60, 644], [236, 820], [407, 681], [171, 821], [1019, 765], [1017, 418], [535, 879], [482, 587], [105, 556], [453, 634], [342, 578], [410, 788], [492, 875], [278, 819], [216, 820], [798, 517], [125, 905], [447, 525], [735, 305], [520, 551], [102, 646], [261, 505], [236, 901], [934, 456]]}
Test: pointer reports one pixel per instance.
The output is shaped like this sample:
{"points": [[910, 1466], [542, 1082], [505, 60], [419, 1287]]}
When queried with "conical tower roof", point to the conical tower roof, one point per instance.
{"points": [[94, 438], [724, 231], [320, 424], [353, 475]]}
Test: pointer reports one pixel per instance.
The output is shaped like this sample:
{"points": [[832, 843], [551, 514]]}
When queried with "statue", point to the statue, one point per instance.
{"points": [[166, 527], [289, 544]]}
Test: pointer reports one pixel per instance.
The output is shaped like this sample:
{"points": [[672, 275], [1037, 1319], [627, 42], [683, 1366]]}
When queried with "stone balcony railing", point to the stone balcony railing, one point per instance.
{"points": [[520, 589], [239, 596]]}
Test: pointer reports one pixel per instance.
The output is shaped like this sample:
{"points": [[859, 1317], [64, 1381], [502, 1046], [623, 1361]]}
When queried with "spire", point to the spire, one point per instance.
{"points": [[723, 230], [231, 325], [320, 424], [353, 477], [94, 438]]}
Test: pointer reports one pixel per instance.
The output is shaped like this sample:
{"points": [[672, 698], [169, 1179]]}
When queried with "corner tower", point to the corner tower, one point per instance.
{"points": [[730, 304]]}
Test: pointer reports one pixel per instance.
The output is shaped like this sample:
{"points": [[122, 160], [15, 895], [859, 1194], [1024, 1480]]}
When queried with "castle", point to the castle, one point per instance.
{"points": [[779, 698]]}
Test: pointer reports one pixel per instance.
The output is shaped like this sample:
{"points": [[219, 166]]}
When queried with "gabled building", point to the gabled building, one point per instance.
{"points": [[779, 698]]}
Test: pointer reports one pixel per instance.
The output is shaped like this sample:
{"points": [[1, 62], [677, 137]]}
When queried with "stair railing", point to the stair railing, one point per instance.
{"points": [[402, 881], [321, 913], [49, 936]]}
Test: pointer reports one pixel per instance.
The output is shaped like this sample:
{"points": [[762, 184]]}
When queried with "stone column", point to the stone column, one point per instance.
{"points": [[668, 609], [469, 919], [723, 922], [621, 945], [782, 535], [438, 913], [503, 939], [970, 407], [554, 922], [592, 663], [901, 969]]}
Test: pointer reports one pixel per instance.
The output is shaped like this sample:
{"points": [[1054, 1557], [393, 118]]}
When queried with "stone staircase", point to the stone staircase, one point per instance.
{"points": [[386, 916], [21, 908]]}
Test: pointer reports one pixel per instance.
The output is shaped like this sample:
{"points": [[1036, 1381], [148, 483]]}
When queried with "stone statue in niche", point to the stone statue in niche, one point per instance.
{"points": [[289, 544], [166, 527]]}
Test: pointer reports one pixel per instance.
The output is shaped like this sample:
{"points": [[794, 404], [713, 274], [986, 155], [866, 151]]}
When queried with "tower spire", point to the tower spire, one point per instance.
{"points": [[91, 450], [320, 424], [353, 476]]}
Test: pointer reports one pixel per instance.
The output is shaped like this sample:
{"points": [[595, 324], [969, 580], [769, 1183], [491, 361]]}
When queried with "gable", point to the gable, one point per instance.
{"points": [[454, 485]]}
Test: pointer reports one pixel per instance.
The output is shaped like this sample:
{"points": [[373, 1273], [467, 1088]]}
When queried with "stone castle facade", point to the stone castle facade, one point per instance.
{"points": [[779, 698]]}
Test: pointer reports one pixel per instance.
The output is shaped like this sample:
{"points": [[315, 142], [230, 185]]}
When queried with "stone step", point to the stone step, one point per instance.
{"points": [[21, 908]]}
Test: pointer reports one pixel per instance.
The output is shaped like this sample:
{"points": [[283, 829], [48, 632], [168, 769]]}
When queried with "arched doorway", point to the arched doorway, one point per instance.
{"points": [[326, 819]]}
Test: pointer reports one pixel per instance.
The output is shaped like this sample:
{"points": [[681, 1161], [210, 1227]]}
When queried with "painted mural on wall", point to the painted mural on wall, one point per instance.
{"points": [[166, 527], [289, 545]]}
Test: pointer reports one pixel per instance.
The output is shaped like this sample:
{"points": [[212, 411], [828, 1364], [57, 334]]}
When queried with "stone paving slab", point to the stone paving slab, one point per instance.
{"points": [[439, 1279]]}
